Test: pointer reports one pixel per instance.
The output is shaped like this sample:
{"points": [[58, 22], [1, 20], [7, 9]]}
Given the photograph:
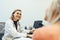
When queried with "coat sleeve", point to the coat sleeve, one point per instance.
{"points": [[12, 31]]}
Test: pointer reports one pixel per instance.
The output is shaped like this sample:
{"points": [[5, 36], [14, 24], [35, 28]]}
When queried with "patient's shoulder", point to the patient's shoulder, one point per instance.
{"points": [[42, 33], [46, 30]]}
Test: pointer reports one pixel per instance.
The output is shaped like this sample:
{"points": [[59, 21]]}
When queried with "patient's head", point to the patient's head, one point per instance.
{"points": [[53, 13]]}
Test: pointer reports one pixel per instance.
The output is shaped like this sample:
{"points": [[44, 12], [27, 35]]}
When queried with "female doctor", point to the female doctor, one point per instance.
{"points": [[13, 30]]}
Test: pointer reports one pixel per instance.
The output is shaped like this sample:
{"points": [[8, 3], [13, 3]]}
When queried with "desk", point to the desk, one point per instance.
{"points": [[23, 38], [29, 37]]}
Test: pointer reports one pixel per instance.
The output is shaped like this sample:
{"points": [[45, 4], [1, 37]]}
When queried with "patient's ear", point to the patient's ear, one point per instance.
{"points": [[54, 14]]}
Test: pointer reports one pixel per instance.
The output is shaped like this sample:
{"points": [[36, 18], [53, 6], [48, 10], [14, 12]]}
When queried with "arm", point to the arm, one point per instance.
{"points": [[35, 35], [38, 35]]}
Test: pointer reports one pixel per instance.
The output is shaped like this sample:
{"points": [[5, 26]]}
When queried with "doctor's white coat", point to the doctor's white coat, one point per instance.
{"points": [[10, 31]]}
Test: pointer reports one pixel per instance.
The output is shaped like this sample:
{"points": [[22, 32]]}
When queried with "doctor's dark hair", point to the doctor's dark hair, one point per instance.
{"points": [[12, 16]]}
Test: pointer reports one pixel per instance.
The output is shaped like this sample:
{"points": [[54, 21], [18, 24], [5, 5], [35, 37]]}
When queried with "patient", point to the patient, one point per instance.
{"points": [[52, 31]]}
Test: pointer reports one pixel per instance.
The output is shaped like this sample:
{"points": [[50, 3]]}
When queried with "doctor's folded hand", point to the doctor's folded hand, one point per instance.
{"points": [[13, 29]]}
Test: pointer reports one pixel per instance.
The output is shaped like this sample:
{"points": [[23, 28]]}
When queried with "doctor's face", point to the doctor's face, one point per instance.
{"points": [[17, 15]]}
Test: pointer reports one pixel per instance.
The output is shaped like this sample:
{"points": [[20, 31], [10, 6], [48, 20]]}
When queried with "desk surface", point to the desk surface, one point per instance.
{"points": [[23, 39]]}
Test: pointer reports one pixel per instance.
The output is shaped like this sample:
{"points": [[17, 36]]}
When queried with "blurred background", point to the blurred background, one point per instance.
{"points": [[31, 10]]}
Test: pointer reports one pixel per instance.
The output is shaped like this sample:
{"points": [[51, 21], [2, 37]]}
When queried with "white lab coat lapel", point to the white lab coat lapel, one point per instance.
{"points": [[18, 27]]}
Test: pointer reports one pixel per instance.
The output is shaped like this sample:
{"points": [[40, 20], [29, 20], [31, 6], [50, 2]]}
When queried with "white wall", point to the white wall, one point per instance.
{"points": [[31, 9]]}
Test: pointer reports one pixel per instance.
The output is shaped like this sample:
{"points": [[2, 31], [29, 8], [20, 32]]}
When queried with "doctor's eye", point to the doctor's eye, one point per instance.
{"points": [[19, 13]]}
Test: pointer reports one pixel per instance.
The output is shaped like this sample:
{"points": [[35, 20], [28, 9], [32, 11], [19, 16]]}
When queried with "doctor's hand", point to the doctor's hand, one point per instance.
{"points": [[29, 35]]}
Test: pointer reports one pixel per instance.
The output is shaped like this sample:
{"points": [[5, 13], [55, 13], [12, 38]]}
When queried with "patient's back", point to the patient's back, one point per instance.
{"points": [[51, 32]]}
